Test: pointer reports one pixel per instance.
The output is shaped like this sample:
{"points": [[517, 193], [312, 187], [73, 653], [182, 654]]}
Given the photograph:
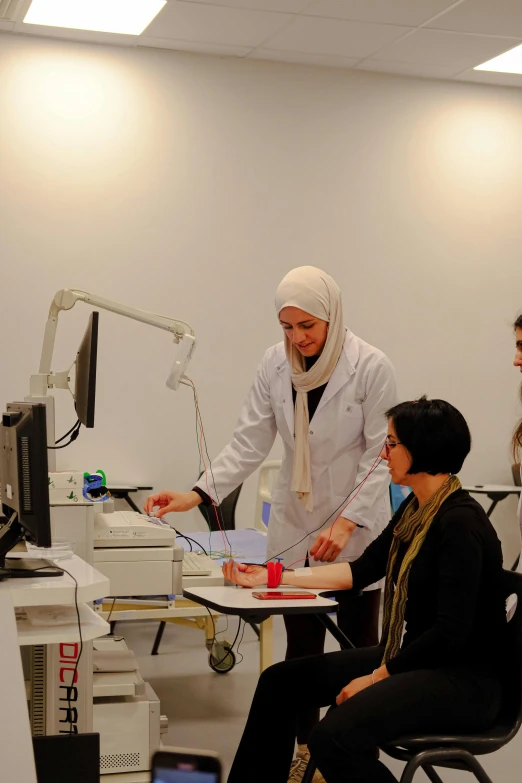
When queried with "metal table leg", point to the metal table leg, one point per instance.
{"points": [[159, 636], [266, 646], [336, 632]]}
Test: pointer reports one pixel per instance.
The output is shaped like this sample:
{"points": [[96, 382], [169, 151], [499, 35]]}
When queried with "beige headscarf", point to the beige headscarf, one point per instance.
{"points": [[313, 291]]}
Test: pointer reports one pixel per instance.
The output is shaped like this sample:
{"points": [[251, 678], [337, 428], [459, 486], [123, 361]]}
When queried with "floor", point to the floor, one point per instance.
{"points": [[208, 710]]}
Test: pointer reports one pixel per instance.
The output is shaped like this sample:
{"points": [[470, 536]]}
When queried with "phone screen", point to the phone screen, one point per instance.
{"points": [[179, 765], [184, 775], [286, 596]]}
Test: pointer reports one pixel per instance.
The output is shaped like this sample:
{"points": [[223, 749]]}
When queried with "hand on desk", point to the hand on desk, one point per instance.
{"points": [[244, 575], [171, 501]]}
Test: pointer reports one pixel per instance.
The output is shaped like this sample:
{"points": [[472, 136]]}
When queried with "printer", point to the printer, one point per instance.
{"points": [[137, 553], [126, 711]]}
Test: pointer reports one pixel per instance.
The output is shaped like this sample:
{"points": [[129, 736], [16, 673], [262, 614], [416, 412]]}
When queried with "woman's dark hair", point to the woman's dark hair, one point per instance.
{"points": [[434, 432], [516, 443]]}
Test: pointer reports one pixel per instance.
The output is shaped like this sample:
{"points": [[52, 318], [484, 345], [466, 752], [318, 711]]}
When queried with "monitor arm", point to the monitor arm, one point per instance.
{"points": [[65, 300]]}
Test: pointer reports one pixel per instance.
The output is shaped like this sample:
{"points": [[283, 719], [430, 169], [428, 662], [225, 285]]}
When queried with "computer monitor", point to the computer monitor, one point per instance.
{"points": [[24, 478], [85, 382]]}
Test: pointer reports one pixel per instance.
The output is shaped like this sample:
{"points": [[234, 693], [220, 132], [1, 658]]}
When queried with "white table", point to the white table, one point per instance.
{"points": [[55, 649], [241, 602], [495, 492], [232, 600]]}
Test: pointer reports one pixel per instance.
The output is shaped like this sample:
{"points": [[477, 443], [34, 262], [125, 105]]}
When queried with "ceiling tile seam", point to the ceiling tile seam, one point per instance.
{"points": [[474, 35], [310, 63], [420, 26], [384, 24], [67, 39], [442, 13], [237, 7], [191, 41], [146, 45], [357, 21], [260, 45], [456, 76]]}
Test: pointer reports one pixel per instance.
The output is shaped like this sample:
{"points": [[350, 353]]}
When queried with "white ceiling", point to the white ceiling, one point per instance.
{"points": [[428, 38]]}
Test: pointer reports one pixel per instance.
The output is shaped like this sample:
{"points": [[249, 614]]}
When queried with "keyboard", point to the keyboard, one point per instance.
{"points": [[195, 564]]}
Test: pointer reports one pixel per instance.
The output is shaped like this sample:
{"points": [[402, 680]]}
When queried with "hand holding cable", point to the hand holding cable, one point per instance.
{"points": [[332, 540]]}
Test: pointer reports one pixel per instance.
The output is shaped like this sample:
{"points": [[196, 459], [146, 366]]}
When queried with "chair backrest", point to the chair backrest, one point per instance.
{"points": [[226, 511], [267, 477], [513, 707]]}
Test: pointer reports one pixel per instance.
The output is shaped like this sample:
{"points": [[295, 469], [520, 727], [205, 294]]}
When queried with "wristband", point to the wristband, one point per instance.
{"points": [[373, 676], [275, 574]]}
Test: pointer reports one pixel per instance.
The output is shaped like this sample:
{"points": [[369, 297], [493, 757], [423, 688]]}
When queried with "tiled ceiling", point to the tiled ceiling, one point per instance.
{"points": [[440, 39]]}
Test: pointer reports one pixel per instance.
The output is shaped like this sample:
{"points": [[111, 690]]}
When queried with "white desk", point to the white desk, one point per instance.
{"points": [[51, 590], [55, 649], [495, 492], [239, 601]]}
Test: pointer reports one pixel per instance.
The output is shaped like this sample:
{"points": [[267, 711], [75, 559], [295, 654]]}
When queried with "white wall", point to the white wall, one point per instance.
{"points": [[190, 185]]}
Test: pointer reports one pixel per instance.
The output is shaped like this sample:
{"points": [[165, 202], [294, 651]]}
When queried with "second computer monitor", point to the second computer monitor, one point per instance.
{"points": [[85, 383], [24, 474]]}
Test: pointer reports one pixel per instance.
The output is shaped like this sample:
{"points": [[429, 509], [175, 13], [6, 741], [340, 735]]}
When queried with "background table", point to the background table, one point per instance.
{"points": [[495, 492], [123, 491]]}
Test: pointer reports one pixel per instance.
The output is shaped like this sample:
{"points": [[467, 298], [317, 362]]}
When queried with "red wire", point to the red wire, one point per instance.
{"points": [[303, 559], [201, 451], [353, 498]]}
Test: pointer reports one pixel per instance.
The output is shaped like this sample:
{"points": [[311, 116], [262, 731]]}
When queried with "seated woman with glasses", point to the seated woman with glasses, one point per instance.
{"points": [[443, 653]]}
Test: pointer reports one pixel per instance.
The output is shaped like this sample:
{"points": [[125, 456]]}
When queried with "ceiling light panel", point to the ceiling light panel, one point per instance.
{"points": [[509, 62], [127, 17]]}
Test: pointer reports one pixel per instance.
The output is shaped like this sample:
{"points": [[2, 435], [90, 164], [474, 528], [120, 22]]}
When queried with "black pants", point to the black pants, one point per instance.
{"points": [[357, 617], [344, 743]]}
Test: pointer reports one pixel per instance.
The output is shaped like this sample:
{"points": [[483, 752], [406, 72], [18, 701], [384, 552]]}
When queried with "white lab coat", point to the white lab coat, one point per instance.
{"points": [[346, 435]]}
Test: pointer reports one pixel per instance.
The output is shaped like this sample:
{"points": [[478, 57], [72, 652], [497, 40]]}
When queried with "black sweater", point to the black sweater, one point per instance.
{"points": [[455, 614]]}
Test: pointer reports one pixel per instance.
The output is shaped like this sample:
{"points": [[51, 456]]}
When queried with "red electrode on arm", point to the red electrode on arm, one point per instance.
{"points": [[275, 573]]}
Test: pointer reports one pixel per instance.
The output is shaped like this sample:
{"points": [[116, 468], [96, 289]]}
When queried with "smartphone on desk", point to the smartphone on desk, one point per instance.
{"points": [[185, 766], [287, 596]]}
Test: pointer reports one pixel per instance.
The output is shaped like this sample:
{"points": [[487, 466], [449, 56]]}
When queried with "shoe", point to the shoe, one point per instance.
{"points": [[299, 765]]}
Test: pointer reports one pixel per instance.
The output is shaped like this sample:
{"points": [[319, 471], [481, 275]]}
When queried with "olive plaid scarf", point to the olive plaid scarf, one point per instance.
{"points": [[412, 529]]}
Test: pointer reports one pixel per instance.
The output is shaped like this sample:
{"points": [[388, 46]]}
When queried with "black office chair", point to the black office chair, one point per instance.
{"points": [[226, 512], [459, 752]]}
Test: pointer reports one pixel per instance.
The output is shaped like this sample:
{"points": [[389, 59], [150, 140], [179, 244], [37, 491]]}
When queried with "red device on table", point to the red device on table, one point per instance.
{"points": [[280, 596]]}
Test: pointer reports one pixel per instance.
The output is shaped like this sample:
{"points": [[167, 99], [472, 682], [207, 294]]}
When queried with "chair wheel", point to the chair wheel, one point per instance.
{"points": [[221, 658]]}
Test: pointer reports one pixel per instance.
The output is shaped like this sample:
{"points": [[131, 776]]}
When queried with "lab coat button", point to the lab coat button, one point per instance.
{"points": [[349, 409], [311, 432]]}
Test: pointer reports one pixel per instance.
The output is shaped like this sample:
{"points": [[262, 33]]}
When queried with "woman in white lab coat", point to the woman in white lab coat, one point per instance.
{"points": [[517, 435], [325, 391]]}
